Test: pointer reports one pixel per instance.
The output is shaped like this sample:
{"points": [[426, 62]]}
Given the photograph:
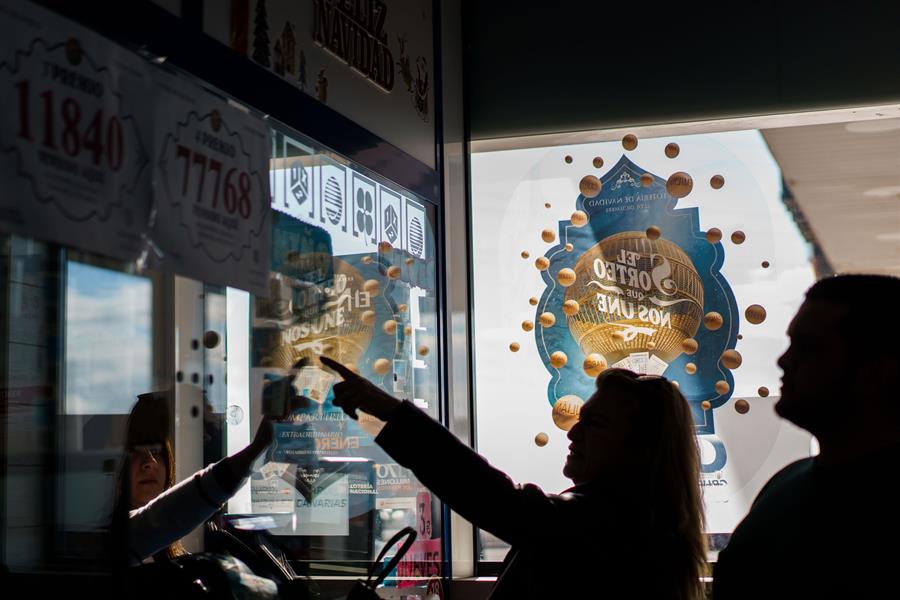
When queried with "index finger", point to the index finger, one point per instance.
{"points": [[341, 370]]}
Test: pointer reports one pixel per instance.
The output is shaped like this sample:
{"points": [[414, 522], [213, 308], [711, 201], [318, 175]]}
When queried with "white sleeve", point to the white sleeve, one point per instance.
{"points": [[173, 514]]}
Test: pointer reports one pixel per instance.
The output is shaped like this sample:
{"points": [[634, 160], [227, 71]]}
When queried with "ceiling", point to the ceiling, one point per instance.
{"points": [[845, 177]]}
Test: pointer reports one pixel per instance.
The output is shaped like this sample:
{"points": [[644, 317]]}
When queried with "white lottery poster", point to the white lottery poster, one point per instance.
{"points": [[75, 160], [212, 204]]}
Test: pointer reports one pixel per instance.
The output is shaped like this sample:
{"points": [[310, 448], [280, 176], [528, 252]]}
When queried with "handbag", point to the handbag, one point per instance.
{"points": [[365, 590]]}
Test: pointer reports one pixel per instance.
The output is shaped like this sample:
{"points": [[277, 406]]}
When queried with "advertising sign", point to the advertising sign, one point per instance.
{"points": [[372, 61], [75, 160], [212, 209], [633, 283]]}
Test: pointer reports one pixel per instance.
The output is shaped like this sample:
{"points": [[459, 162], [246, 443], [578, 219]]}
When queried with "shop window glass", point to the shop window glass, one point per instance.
{"points": [[354, 278], [733, 246]]}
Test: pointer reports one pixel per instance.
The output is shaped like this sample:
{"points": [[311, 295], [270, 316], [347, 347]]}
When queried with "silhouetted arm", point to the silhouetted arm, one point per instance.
{"points": [[482, 494]]}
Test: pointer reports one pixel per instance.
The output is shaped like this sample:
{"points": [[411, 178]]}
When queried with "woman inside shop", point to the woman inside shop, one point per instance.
{"points": [[152, 513], [631, 526]]}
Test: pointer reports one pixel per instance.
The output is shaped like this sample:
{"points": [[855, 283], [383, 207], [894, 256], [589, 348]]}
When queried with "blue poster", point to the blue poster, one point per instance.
{"points": [[633, 282]]}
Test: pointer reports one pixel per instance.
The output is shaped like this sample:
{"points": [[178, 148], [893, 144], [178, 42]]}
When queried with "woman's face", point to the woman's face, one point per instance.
{"points": [[147, 473], [600, 439]]}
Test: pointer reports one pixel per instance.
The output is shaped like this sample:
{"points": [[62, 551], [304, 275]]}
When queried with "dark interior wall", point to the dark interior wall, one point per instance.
{"points": [[569, 66]]}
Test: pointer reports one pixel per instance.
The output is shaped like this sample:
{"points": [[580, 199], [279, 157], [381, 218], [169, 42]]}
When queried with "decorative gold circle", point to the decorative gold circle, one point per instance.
{"points": [[548, 319], [542, 263], [559, 359], [716, 182], [713, 320], [594, 364], [679, 184], [548, 235], [672, 150], [382, 366], [579, 218], [731, 359], [570, 307], [755, 314], [566, 411], [565, 277], [589, 186], [372, 286], [630, 142]]}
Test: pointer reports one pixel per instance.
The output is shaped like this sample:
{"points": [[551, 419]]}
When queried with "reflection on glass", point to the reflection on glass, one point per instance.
{"points": [[353, 278], [108, 340]]}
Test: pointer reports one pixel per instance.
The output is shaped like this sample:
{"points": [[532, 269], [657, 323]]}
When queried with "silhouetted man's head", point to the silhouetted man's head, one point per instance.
{"points": [[842, 363]]}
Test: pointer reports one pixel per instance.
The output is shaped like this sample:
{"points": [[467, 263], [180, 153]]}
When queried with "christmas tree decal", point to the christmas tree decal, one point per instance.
{"points": [[261, 34]]}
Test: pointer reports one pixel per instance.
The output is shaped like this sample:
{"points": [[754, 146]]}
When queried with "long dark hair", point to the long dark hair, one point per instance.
{"points": [[673, 463]]}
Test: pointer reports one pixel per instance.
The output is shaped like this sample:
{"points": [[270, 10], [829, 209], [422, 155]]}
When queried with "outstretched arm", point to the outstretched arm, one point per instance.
{"points": [[458, 475], [177, 511]]}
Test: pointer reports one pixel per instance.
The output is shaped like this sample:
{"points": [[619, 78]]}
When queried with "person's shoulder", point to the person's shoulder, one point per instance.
{"points": [[786, 477]]}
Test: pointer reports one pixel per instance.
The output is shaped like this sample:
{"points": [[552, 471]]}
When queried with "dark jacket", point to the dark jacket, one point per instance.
{"points": [[592, 541], [817, 531]]}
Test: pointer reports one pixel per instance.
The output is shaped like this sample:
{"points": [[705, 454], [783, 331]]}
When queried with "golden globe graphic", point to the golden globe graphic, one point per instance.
{"points": [[342, 330], [645, 290], [645, 277]]}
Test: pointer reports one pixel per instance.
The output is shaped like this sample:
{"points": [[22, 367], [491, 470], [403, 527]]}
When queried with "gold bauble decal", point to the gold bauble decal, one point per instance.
{"points": [[731, 359], [566, 411], [565, 277], [679, 184], [579, 218], [589, 186], [755, 314], [559, 359], [382, 366], [594, 364]]}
